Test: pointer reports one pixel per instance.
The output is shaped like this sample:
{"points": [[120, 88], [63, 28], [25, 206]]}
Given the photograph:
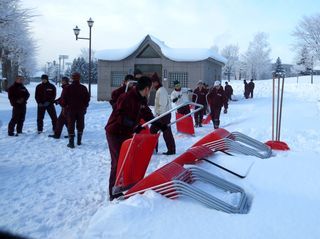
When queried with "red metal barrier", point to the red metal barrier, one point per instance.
{"points": [[185, 125], [134, 158]]}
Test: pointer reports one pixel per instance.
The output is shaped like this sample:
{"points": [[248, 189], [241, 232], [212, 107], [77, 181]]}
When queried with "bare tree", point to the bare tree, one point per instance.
{"points": [[231, 53], [307, 34], [257, 60], [17, 48]]}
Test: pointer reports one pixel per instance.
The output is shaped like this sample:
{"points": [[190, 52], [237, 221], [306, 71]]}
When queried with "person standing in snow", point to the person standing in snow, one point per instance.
{"points": [[62, 119], [179, 96], [228, 90], [45, 95], [76, 101], [162, 105], [18, 96], [199, 97], [122, 89], [246, 89], [250, 88], [125, 120], [216, 99]]}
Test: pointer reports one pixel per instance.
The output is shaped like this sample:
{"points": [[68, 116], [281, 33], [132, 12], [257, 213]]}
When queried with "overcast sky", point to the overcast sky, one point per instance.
{"points": [[179, 23]]}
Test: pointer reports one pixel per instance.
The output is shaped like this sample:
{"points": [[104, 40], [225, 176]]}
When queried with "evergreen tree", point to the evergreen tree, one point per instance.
{"points": [[279, 70]]}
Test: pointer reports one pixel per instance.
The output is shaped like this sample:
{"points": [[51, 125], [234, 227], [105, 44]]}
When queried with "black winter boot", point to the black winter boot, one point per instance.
{"points": [[71, 141], [79, 137]]}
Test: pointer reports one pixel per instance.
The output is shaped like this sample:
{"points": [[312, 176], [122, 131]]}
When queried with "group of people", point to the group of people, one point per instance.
{"points": [[74, 101], [248, 89], [130, 107]]}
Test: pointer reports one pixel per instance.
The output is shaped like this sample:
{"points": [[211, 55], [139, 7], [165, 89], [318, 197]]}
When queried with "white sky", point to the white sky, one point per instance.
{"points": [[180, 23]]}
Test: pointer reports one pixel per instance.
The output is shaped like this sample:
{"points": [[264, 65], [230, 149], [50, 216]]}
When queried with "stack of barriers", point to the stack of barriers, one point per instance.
{"points": [[173, 180]]}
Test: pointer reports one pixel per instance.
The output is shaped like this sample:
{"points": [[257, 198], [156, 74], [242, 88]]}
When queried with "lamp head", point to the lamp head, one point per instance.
{"points": [[90, 22]]}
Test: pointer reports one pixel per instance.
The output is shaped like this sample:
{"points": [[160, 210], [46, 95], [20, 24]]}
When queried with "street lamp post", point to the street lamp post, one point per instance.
{"points": [[76, 31]]}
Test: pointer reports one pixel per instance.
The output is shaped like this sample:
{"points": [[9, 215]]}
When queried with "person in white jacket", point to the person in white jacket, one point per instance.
{"points": [[162, 105], [179, 96]]}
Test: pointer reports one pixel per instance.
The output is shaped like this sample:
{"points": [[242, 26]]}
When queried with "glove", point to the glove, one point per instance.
{"points": [[138, 129], [225, 111], [175, 100], [56, 102], [162, 127], [190, 91]]}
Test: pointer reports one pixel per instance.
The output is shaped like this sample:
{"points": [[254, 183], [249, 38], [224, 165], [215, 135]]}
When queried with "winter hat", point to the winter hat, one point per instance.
{"points": [[176, 83], [75, 76], [216, 83], [44, 77]]}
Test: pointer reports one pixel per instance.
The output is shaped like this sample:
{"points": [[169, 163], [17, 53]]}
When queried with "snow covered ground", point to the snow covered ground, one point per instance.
{"points": [[50, 191]]}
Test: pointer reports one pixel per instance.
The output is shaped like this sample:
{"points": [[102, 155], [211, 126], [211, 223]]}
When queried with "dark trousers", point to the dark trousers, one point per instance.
{"points": [[167, 134], [198, 116], [251, 94], [61, 121], [114, 143], [215, 115], [18, 116], [52, 113], [75, 120], [184, 110]]}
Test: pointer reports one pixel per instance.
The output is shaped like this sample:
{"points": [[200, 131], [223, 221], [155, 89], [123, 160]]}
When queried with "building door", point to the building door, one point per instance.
{"points": [[149, 70]]}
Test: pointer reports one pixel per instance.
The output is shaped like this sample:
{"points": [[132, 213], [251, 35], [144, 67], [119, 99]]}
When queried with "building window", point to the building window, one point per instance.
{"points": [[117, 78], [182, 77]]}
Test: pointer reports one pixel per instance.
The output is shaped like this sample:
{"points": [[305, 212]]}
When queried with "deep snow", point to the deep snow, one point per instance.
{"points": [[50, 191]]}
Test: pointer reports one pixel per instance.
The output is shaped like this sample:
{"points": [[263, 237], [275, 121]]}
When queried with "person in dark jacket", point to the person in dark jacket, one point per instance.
{"points": [[125, 120], [119, 91], [75, 99], [45, 96], [228, 90], [18, 96], [246, 89], [217, 98], [199, 96], [250, 88], [62, 119]]}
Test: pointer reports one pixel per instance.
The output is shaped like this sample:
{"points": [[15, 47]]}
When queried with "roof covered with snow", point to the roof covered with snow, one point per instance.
{"points": [[174, 54]]}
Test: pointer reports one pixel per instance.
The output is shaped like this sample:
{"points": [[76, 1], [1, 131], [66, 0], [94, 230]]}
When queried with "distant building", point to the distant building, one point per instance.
{"points": [[152, 55]]}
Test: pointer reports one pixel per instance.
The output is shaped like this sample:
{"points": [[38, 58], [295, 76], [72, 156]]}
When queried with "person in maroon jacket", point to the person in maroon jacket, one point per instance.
{"points": [[216, 99], [62, 119], [45, 96], [125, 120], [228, 90], [18, 96], [122, 89], [199, 96], [75, 99]]}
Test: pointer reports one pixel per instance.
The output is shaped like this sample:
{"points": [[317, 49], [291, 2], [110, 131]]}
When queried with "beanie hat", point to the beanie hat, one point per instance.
{"points": [[75, 76], [44, 77], [216, 83], [176, 83]]}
